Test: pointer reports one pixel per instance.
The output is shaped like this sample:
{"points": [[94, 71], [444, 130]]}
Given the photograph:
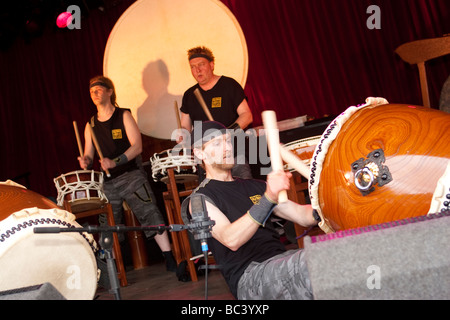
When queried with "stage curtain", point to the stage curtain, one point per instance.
{"points": [[319, 57], [306, 57]]}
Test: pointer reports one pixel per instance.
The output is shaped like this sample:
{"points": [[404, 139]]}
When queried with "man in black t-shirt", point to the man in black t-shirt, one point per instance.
{"points": [[252, 258], [224, 97]]}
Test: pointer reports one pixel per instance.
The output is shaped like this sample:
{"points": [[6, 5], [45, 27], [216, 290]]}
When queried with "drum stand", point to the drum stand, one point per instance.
{"points": [[106, 243], [200, 228]]}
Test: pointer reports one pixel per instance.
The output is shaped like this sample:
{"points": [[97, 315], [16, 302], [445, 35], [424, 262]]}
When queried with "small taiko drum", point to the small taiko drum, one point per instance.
{"points": [[66, 260], [303, 149], [379, 163], [179, 159], [83, 189]]}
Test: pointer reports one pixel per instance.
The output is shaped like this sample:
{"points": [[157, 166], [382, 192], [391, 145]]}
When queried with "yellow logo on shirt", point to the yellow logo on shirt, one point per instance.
{"points": [[216, 102], [116, 134], [255, 199]]}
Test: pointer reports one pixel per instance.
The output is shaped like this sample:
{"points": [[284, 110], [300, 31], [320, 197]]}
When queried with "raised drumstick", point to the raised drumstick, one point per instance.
{"points": [[177, 114], [273, 142], [97, 147], [80, 148], [203, 104], [290, 158]]}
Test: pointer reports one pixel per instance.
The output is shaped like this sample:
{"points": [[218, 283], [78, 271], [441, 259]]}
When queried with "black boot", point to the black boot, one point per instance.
{"points": [[171, 264]]}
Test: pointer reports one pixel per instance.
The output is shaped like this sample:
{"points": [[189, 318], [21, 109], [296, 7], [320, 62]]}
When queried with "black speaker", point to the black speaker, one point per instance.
{"points": [[45, 291], [405, 259]]}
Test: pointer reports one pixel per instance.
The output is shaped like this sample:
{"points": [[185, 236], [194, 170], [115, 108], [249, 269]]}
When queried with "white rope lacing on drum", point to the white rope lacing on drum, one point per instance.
{"points": [[71, 188], [42, 221], [162, 161]]}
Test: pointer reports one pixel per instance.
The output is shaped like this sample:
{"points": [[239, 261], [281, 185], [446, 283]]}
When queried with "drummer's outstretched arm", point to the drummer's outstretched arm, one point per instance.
{"points": [[297, 213]]}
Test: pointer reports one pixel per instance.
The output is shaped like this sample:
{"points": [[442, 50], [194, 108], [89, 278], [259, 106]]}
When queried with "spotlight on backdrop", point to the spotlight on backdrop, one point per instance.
{"points": [[64, 19]]}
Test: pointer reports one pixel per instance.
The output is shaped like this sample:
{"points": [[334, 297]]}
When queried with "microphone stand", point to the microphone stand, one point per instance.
{"points": [[106, 243], [199, 228]]}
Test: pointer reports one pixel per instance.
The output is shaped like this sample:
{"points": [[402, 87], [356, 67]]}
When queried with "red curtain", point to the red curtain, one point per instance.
{"points": [[313, 57], [318, 57]]}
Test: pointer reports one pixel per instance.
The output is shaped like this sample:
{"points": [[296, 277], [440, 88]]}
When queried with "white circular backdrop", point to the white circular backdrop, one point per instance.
{"points": [[146, 56]]}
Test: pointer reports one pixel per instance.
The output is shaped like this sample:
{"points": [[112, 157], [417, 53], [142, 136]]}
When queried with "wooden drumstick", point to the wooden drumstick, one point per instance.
{"points": [[80, 148], [290, 158], [203, 104], [177, 113], [273, 142], [97, 147]]}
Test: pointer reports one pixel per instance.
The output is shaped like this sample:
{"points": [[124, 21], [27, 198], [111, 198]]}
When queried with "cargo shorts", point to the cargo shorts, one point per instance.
{"points": [[282, 277]]}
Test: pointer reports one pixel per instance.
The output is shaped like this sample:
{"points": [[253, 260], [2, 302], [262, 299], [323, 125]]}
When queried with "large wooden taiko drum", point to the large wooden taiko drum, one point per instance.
{"points": [[380, 163], [66, 260]]}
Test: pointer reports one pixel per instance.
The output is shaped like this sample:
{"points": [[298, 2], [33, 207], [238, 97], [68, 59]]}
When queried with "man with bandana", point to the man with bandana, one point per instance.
{"points": [[120, 142], [224, 97]]}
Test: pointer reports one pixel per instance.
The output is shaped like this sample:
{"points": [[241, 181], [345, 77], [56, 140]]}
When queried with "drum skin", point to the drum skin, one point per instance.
{"points": [[416, 145], [66, 260]]}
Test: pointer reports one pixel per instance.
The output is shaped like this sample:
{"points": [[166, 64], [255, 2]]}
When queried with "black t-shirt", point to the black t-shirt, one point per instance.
{"points": [[222, 101], [113, 140], [234, 199]]}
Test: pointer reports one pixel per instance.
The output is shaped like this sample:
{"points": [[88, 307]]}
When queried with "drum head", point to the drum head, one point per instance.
{"points": [[146, 56], [66, 260], [81, 205], [181, 178]]}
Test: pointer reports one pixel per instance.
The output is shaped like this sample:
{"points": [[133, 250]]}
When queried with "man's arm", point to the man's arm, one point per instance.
{"points": [[300, 214], [234, 235], [231, 235], [245, 117], [134, 136], [186, 121]]}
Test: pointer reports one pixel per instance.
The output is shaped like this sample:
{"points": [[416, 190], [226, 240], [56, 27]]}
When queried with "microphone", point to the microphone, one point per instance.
{"points": [[201, 224], [47, 230]]}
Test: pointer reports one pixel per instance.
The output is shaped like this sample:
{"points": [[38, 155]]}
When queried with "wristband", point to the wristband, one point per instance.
{"points": [[261, 212], [122, 159], [316, 215], [234, 126]]}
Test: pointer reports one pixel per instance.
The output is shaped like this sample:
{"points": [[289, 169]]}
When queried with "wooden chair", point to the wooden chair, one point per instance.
{"points": [[419, 52], [136, 239], [180, 240]]}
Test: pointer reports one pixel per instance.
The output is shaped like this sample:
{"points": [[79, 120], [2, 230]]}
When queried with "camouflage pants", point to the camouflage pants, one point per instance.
{"points": [[134, 188], [282, 277]]}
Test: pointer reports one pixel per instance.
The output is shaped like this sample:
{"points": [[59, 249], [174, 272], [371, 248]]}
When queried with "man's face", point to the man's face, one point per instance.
{"points": [[100, 95], [202, 70], [219, 152]]}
